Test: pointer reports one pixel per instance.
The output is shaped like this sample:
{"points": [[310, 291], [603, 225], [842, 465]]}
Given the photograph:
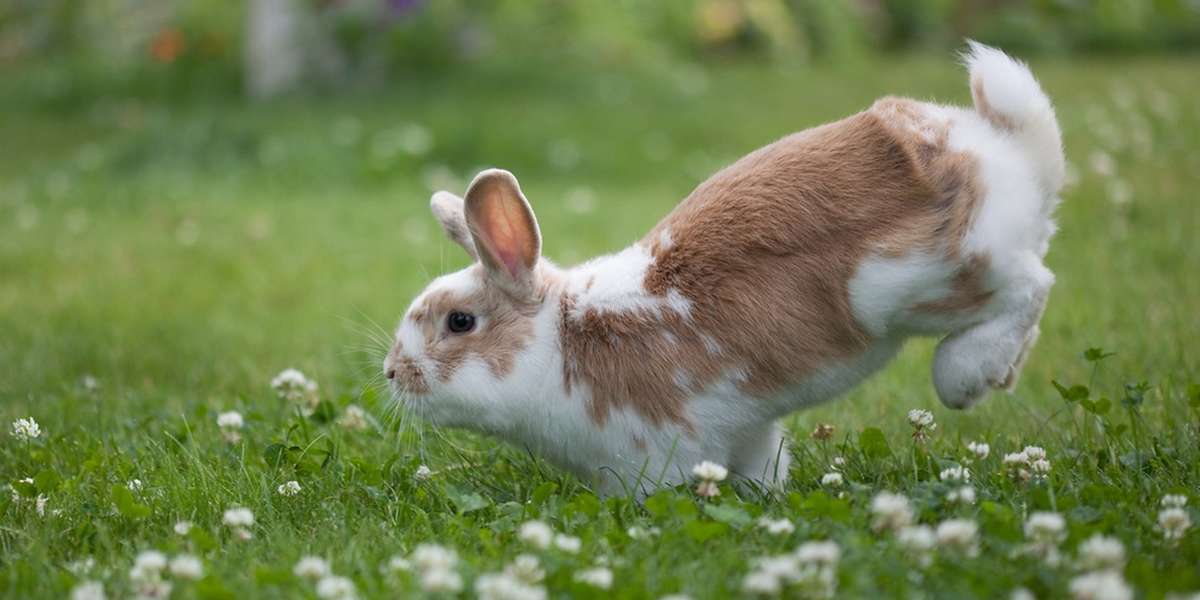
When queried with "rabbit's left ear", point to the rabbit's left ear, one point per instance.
{"points": [[507, 239], [448, 210]]}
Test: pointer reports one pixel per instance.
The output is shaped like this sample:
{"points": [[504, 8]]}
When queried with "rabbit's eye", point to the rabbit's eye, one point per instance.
{"points": [[460, 322]]}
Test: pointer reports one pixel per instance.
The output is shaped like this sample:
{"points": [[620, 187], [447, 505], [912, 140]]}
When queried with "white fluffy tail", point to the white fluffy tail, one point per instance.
{"points": [[1007, 95]]}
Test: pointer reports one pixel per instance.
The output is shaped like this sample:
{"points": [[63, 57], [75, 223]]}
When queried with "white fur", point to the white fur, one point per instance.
{"points": [[1020, 169], [1012, 91], [613, 284]]}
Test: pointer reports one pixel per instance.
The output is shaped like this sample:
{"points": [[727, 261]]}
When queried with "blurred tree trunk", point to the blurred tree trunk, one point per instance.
{"points": [[287, 47], [274, 59]]}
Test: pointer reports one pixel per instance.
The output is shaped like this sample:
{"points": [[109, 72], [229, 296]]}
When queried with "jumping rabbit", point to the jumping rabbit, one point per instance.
{"points": [[779, 283]]}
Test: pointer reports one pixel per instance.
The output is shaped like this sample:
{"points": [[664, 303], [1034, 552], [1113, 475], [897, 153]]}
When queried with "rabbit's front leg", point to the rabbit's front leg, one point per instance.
{"points": [[761, 456]]}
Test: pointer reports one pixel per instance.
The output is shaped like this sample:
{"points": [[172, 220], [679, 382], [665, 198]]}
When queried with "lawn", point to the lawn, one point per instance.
{"points": [[161, 262]]}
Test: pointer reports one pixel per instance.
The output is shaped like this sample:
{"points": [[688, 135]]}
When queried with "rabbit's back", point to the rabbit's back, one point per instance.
{"points": [[767, 248]]}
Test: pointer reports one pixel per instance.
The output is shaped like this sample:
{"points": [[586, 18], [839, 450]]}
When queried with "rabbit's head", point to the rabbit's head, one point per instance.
{"points": [[473, 339]]}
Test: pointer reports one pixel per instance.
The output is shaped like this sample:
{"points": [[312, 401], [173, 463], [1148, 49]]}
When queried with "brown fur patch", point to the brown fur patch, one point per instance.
{"points": [[505, 329], [627, 361], [765, 250], [967, 292], [984, 108]]}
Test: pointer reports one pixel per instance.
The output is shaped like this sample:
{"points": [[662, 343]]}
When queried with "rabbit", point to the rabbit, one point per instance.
{"points": [[779, 283]]}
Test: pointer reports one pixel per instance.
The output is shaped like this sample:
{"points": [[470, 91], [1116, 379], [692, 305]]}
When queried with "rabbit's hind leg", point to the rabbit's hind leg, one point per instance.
{"points": [[989, 355]]}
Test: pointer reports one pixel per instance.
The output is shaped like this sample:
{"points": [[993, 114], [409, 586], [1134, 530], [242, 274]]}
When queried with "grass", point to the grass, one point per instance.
{"points": [[183, 254]]}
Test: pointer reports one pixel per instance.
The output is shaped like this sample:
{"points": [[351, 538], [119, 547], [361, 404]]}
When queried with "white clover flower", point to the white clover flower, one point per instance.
{"points": [[526, 568], [892, 511], [333, 587], [1015, 458], [776, 526], [231, 424], [399, 563], [567, 543], [838, 463], [423, 473], [238, 517], [1045, 528], [639, 533], [981, 450], [135, 485], [239, 520], [26, 429], [961, 535], [832, 479], [597, 577], [148, 565], [536, 534], [183, 527], [1174, 523], [82, 567], [1101, 553], [1174, 501], [1100, 585], [290, 488], [710, 471], [501, 586], [290, 380], [812, 569], [230, 420], [920, 418], [429, 557], [293, 386], [1028, 463], [963, 495], [1021, 594], [354, 418], [710, 474], [88, 590], [1040, 467], [785, 567], [955, 474], [919, 541], [441, 581], [759, 583], [311, 567], [824, 553], [186, 566]]}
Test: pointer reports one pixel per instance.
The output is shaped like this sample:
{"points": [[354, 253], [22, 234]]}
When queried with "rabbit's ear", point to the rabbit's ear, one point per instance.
{"points": [[501, 222], [448, 209]]}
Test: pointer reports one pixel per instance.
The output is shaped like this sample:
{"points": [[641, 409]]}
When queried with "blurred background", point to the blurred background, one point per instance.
{"points": [[263, 48], [196, 194]]}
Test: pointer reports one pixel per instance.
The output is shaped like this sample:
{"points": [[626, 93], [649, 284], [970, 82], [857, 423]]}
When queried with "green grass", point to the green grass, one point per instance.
{"points": [[183, 254]]}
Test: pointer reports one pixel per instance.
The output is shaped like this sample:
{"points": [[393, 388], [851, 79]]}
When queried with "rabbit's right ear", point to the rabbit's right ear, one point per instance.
{"points": [[448, 209]]}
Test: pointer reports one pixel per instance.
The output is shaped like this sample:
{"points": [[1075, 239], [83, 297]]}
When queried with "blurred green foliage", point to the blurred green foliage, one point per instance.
{"points": [[185, 47]]}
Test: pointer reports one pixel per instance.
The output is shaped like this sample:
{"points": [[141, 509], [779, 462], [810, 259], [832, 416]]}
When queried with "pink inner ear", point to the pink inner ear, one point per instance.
{"points": [[505, 229], [511, 262]]}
